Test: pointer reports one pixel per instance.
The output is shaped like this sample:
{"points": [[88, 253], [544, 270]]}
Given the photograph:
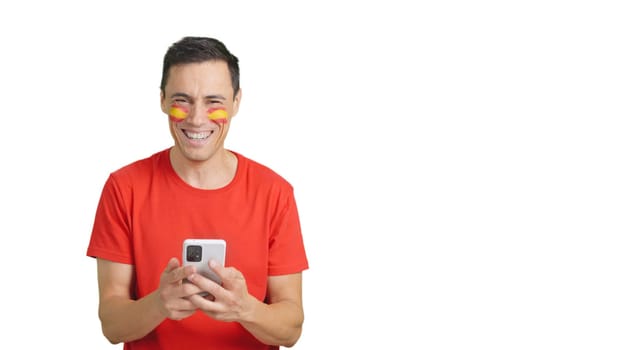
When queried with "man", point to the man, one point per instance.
{"points": [[198, 189]]}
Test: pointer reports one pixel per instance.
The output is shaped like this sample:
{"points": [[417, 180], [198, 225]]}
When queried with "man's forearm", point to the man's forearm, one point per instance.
{"points": [[124, 320], [275, 324]]}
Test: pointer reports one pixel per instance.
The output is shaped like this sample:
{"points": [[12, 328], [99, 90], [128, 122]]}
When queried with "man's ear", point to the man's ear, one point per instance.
{"points": [[162, 104], [236, 102]]}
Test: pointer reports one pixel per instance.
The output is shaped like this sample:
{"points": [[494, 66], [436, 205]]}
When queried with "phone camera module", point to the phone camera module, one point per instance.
{"points": [[194, 253]]}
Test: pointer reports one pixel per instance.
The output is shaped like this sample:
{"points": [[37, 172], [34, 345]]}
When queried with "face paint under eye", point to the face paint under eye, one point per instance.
{"points": [[218, 115], [177, 113]]}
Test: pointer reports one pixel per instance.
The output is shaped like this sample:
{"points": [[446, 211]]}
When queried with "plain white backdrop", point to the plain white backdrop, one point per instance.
{"points": [[457, 164]]}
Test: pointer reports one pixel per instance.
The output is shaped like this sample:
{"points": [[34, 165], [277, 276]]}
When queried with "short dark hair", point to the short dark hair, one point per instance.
{"points": [[192, 49]]}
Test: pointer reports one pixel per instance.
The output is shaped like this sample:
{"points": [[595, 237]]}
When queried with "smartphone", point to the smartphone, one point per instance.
{"points": [[198, 252]]}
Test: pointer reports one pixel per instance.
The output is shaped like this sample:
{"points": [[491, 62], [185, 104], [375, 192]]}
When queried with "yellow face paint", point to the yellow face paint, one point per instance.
{"points": [[177, 113], [218, 115]]}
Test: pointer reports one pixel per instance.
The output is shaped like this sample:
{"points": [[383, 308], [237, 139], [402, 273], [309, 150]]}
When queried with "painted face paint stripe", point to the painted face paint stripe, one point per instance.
{"points": [[218, 115], [177, 113]]}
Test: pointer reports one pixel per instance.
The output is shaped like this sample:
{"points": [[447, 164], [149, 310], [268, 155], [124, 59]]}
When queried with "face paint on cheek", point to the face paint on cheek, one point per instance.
{"points": [[218, 115], [177, 113]]}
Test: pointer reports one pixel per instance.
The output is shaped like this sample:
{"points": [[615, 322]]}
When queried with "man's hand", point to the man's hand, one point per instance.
{"points": [[229, 302], [173, 294], [278, 322]]}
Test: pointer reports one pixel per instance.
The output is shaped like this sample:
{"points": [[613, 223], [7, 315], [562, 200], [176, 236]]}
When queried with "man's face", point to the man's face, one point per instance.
{"points": [[194, 94]]}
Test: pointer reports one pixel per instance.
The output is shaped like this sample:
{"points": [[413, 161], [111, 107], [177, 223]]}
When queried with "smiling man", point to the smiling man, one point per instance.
{"points": [[198, 189]]}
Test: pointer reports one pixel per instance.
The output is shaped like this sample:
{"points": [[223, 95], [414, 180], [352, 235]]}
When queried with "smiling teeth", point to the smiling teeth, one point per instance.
{"points": [[197, 135]]}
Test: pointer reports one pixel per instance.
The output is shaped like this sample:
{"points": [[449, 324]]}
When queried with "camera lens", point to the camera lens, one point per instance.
{"points": [[194, 253]]}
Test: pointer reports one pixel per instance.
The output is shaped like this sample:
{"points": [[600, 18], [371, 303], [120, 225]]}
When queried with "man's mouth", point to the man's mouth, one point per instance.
{"points": [[197, 135]]}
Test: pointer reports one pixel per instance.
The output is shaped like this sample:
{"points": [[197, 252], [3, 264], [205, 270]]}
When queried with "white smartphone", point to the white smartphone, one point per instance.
{"points": [[198, 252]]}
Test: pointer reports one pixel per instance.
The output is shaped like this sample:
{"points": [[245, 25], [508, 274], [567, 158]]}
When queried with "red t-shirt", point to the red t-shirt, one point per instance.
{"points": [[146, 211]]}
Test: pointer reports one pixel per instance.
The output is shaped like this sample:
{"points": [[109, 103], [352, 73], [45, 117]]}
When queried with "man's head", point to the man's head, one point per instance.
{"points": [[200, 92], [197, 50]]}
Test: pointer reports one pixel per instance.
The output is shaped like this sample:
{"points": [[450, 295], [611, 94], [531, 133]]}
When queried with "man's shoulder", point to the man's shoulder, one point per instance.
{"points": [[261, 172], [140, 166]]}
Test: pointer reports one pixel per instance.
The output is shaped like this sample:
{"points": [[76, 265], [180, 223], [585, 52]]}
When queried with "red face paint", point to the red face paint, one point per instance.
{"points": [[218, 115], [177, 113]]}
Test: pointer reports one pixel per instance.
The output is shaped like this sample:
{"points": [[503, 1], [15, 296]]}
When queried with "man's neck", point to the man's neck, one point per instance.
{"points": [[213, 173]]}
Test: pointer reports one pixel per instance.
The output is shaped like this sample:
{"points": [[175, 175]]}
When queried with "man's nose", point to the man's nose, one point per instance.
{"points": [[197, 114]]}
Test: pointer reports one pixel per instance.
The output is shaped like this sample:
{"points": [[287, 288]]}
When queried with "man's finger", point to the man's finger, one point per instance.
{"points": [[172, 265]]}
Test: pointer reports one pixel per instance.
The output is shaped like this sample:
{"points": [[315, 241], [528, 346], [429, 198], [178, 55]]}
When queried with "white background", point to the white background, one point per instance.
{"points": [[457, 164]]}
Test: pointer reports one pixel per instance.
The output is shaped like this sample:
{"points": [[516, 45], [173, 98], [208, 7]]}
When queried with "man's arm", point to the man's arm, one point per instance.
{"points": [[278, 322], [124, 319]]}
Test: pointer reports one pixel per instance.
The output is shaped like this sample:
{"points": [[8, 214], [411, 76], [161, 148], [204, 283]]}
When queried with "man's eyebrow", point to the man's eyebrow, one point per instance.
{"points": [[215, 97], [207, 97], [181, 94]]}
